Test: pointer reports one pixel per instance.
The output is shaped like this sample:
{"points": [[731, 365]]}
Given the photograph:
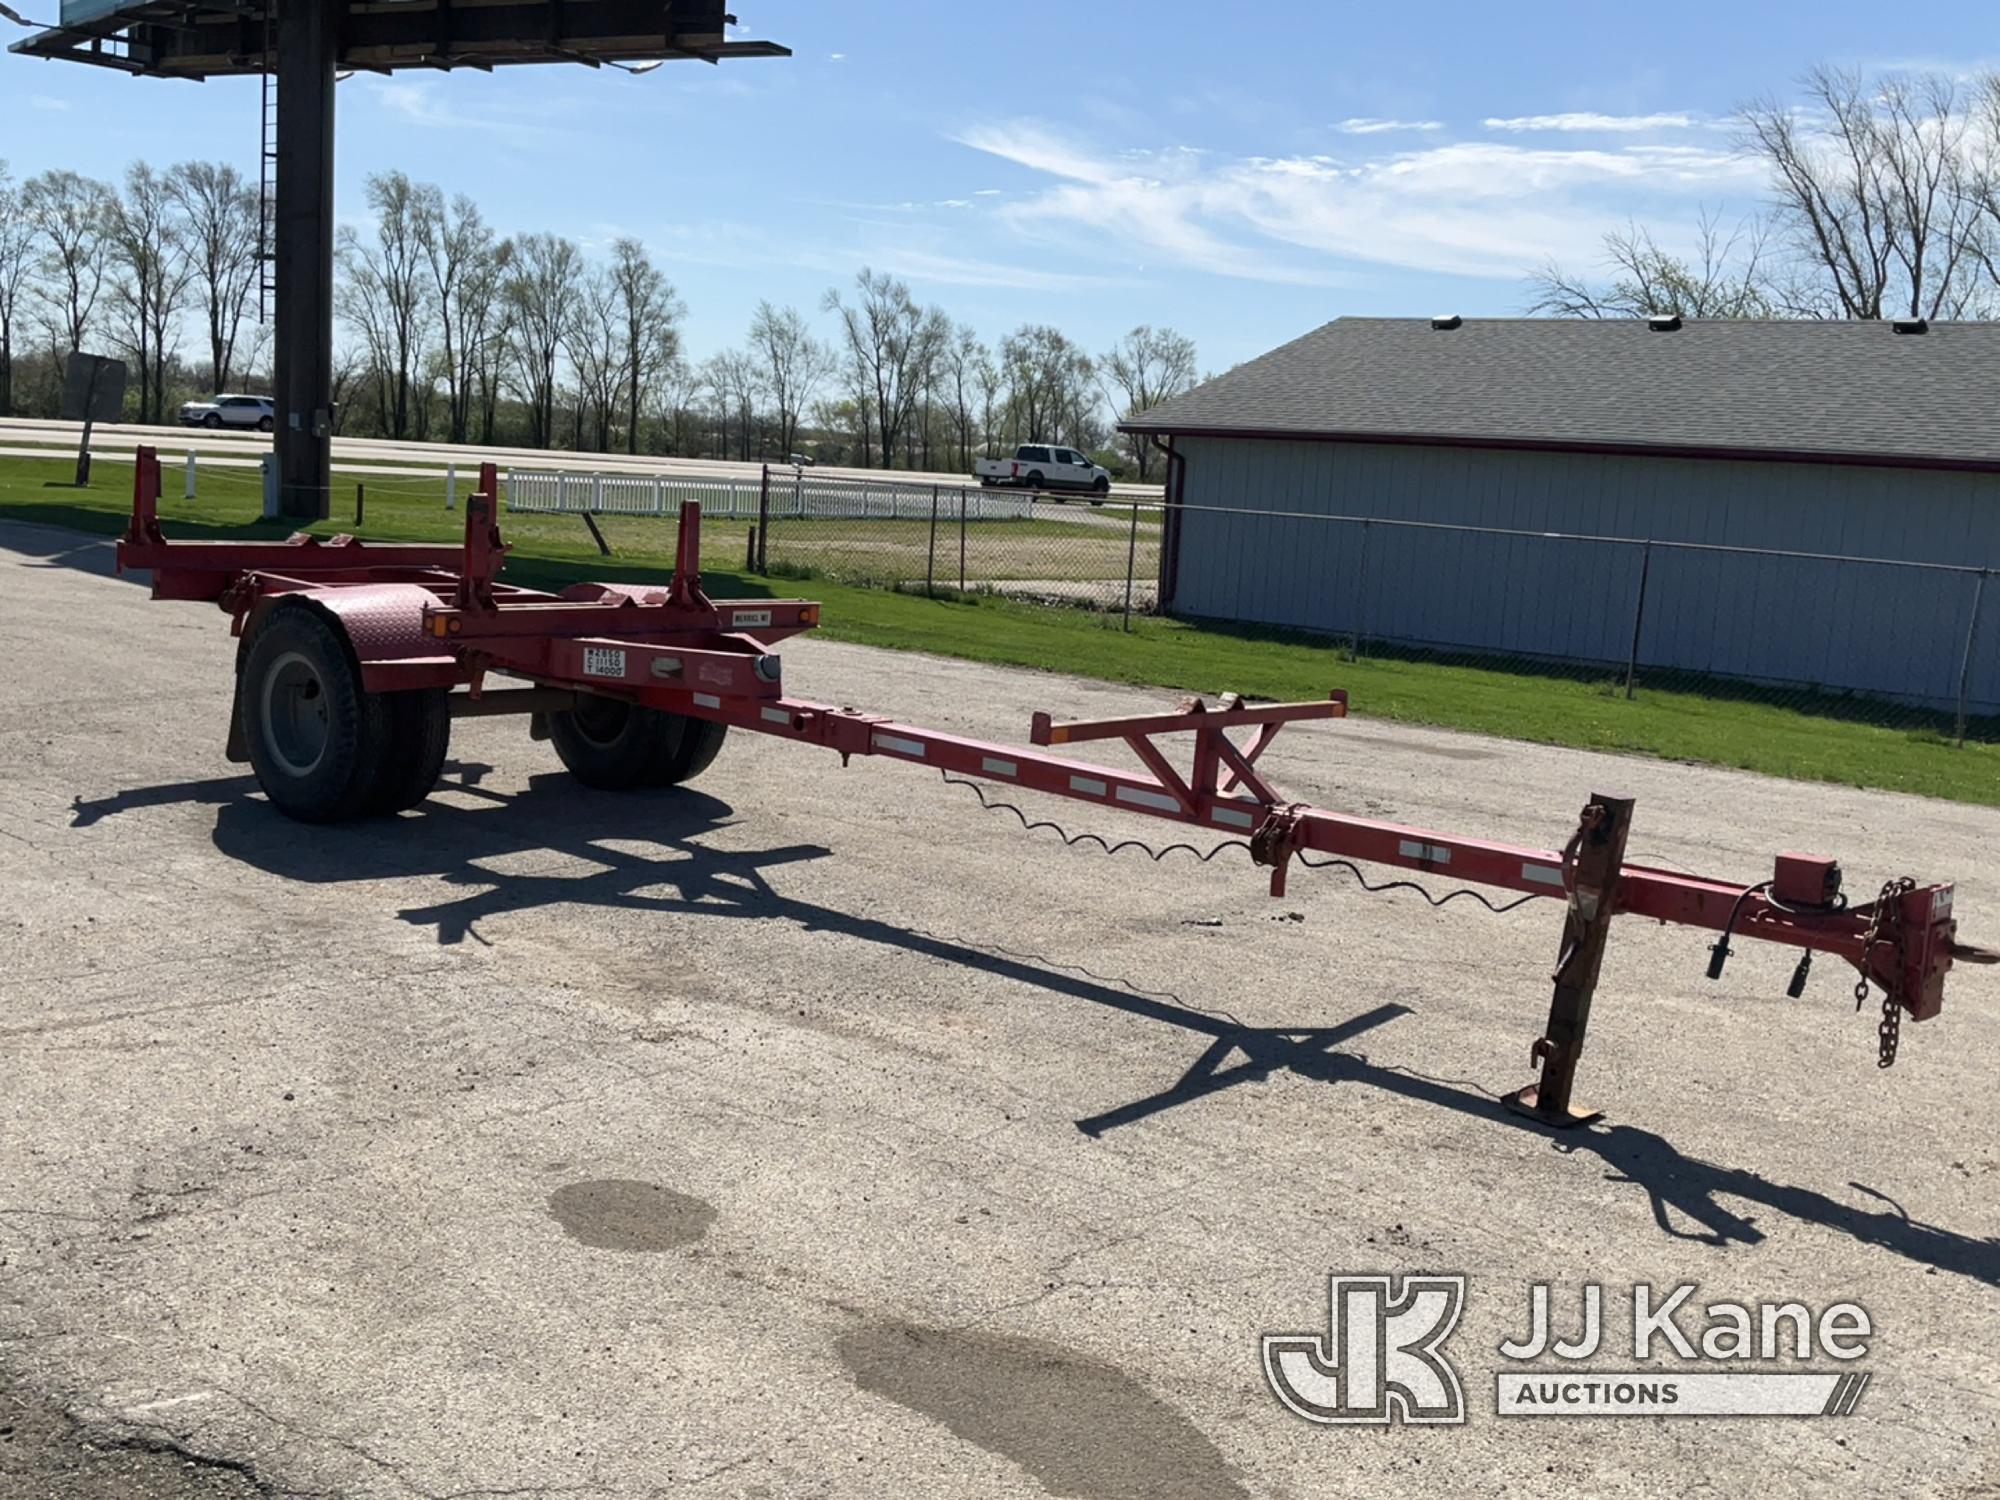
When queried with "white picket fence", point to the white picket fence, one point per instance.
{"points": [[550, 491]]}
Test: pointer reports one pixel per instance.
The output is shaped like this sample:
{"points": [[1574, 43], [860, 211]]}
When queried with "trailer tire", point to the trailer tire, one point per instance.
{"points": [[315, 736], [419, 733], [617, 746]]}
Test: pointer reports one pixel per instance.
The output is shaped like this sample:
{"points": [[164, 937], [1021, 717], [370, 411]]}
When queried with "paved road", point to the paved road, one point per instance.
{"points": [[814, 1133], [24, 436]]}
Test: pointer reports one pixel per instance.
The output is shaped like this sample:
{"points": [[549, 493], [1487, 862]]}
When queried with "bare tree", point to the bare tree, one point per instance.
{"points": [[891, 345], [794, 363], [674, 389], [147, 239], [934, 336], [219, 212], [543, 292], [465, 263], [988, 386], [16, 254], [649, 318], [1049, 390], [738, 382], [346, 366], [496, 334], [1869, 185], [1726, 276], [68, 215], [596, 355], [959, 366], [1981, 186], [387, 296], [1149, 365]]}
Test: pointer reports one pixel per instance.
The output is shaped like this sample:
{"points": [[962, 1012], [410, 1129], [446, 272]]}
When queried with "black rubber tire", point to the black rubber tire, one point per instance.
{"points": [[617, 746], [212, 420], [419, 733], [266, 424], [315, 736], [1034, 480]]}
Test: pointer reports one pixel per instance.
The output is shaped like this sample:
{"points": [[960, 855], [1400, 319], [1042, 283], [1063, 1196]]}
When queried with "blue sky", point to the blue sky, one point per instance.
{"points": [[1091, 165]]}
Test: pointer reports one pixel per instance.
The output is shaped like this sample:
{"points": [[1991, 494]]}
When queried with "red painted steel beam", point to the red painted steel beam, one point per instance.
{"points": [[1046, 731], [1913, 968]]}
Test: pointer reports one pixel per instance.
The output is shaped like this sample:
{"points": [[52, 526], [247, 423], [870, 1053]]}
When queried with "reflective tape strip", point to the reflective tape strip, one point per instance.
{"points": [[707, 700], [1542, 874], [1435, 854], [998, 767], [1087, 785], [898, 744], [776, 716], [1232, 817], [1138, 798]]}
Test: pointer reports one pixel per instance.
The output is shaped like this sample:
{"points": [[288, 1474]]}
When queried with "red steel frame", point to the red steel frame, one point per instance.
{"points": [[424, 615]]}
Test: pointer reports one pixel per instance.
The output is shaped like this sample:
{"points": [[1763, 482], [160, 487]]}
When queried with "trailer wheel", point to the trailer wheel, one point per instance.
{"points": [[316, 738], [419, 732], [616, 746]]}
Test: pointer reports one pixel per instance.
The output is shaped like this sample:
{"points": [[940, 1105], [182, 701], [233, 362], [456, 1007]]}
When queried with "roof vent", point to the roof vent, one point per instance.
{"points": [[1445, 322], [1912, 325], [1664, 322]]}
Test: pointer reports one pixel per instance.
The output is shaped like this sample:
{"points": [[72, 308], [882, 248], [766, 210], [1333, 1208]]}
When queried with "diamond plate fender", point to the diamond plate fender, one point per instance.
{"points": [[383, 621]]}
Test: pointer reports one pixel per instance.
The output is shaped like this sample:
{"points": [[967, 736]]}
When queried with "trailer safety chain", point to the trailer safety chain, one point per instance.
{"points": [[1373, 888], [1889, 1030], [1075, 839]]}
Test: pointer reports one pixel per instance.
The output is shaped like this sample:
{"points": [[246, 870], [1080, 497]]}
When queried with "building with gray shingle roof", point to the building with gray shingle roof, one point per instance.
{"points": [[1850, 392], [1432, 482]]}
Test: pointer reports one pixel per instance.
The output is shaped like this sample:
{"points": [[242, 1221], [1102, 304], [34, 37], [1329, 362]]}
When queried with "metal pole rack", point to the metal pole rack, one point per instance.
{"points": [[354, 656]]}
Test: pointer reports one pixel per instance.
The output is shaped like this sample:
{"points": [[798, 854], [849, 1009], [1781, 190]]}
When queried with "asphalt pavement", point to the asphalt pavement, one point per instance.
{"points": [[813, 1132]]}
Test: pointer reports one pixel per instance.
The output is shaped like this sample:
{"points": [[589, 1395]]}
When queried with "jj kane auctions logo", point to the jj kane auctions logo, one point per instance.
{"points": [[1381, 1359]]}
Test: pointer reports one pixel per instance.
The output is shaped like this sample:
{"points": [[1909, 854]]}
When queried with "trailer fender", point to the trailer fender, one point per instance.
{"points": [[382, 621]]}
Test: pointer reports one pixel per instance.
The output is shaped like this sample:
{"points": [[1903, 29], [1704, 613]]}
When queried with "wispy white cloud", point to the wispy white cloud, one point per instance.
{"points": [[836, 57], [1586, 120], [1365, 125], [1479, 208], [893, 248], [43, 101], [418, 104]]}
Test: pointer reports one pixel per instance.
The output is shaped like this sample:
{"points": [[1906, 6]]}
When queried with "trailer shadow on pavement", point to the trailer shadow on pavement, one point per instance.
{"points": [[554, 816]]}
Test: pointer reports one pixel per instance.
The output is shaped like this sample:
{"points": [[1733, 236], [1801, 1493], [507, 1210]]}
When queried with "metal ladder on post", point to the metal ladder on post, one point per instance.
{"points": [[267, 182]]}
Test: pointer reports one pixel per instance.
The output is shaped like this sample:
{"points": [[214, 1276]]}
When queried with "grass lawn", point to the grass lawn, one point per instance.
{"points": [[551, 551]]}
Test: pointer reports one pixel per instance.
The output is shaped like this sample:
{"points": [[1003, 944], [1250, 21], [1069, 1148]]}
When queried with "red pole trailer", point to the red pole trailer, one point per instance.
{"points": [[349, 653]]}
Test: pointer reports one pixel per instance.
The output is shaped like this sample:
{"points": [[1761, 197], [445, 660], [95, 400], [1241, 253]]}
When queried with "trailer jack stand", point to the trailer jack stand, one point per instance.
{"points": [[1599, 854]]}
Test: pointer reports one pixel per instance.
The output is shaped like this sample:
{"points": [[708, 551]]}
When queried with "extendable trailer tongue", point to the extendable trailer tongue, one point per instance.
{"points": [[637, 686]]}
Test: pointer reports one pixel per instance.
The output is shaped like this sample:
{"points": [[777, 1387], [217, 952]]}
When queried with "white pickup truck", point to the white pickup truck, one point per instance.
{"points": [[1040, 466]]}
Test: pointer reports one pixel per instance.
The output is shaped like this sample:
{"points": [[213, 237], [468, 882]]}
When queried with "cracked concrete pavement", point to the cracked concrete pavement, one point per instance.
{"points": [[811, 1132]]}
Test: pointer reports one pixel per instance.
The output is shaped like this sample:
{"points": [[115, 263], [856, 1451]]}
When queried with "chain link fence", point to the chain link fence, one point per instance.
{"points": [[892, 533], [1902, 643], [1910, 645]]}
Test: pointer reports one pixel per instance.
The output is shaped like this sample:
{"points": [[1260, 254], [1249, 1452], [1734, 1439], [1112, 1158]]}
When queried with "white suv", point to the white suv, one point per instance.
{"points": [[259, 412]]}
